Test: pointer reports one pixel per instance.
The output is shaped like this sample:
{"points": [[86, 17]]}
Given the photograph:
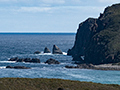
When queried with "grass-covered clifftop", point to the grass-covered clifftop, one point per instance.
{"points": [[99, 39], [51, 84]]}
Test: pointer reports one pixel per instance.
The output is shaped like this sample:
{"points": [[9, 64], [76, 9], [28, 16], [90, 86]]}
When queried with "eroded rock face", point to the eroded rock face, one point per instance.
{"points": [[46, 50], [99, 39], [56, 50], [52, 61]]}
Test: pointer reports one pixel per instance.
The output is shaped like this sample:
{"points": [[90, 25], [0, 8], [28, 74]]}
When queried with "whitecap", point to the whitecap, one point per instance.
{"points": [[80, 76], [64, 53], [7, 61], [2, 67]]}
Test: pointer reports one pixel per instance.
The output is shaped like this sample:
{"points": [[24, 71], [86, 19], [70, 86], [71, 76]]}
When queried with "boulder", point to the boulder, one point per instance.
{"points": [[52, 61], [17, 67], [46, 50], [56, 50], [37, 52]]}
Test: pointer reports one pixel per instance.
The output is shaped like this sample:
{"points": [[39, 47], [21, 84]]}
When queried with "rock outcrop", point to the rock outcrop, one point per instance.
{"points": [[56, 50], [33, 60], [37, 52], [98, 40], [13, 59], [95, 67], [52, 61], [46, 50], [17, 67]]}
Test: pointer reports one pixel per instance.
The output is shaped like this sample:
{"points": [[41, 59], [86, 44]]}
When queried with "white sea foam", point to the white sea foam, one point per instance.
{"points": [[7, 61], [80, 76], [64, 53], [2, 67]]}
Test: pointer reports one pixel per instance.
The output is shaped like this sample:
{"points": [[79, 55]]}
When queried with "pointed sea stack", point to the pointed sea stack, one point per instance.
{"points": [[46, 50], [56, 50]]}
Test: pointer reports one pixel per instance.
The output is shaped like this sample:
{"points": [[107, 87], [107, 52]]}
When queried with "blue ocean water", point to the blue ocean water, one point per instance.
{"points": [[24, 45]]}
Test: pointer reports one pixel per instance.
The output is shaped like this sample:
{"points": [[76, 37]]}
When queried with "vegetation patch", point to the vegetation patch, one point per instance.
{"points": [[51, 84]]}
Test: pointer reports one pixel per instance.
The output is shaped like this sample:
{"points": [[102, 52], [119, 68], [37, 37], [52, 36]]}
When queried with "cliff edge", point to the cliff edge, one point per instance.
{"points": [[98, 40]]}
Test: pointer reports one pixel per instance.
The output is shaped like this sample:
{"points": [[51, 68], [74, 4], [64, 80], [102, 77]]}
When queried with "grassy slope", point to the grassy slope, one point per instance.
{"points": [[51, 84]]}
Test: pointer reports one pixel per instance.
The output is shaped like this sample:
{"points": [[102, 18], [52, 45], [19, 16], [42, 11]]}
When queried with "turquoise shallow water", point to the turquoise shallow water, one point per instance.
{"points": [[24, 45]]}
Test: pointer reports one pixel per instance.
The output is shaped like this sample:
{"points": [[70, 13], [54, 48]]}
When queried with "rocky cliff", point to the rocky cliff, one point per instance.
{"points": [[98, 40]]}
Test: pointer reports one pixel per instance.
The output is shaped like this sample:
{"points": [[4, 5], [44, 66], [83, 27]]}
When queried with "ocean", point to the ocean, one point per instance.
{"points": [[23, 45]]}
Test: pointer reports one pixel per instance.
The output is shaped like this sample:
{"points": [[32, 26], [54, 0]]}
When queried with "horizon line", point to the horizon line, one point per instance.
{"points": [[58, 33]]}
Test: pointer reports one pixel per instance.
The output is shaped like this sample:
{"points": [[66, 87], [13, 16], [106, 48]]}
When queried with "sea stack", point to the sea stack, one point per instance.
{"points": [[46, 50], [56, 50]]}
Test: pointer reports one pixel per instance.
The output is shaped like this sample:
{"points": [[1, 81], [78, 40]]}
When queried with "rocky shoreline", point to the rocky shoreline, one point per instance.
{"points": [[96, 67]]}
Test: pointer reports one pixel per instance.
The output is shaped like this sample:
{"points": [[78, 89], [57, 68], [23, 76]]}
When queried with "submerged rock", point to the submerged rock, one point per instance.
{"points": [[56, 50], [37, 52], [46, 50], [52, 61], [17, 67]]}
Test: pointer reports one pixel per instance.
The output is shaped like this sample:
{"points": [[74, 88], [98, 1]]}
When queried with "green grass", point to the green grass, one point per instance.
{"points": [[51, 84]]}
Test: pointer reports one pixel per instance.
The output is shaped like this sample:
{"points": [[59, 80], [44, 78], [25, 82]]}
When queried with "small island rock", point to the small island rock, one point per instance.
{"points": [[46, 50], [52, 61], [56, 50]]}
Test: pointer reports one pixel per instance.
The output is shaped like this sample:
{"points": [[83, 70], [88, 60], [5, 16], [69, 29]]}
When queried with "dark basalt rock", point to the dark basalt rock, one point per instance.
{"points": [[46, 50], [52, 61], [33, 60], [13, 59], [71, 66], [99, 39], [27, 59], [56, 50], [37, 52], [17, 67], [20, 60]]}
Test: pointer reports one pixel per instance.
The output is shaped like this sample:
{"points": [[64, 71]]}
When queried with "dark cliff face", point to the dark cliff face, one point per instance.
{"points": [[99, 39]]}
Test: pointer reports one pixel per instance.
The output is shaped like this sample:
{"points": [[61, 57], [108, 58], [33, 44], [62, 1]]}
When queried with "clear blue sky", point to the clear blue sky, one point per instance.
{"points": [[48, 15]]}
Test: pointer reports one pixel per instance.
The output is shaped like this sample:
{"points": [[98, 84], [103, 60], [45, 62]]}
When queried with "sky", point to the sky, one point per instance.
{"points": [[41, 16]]}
